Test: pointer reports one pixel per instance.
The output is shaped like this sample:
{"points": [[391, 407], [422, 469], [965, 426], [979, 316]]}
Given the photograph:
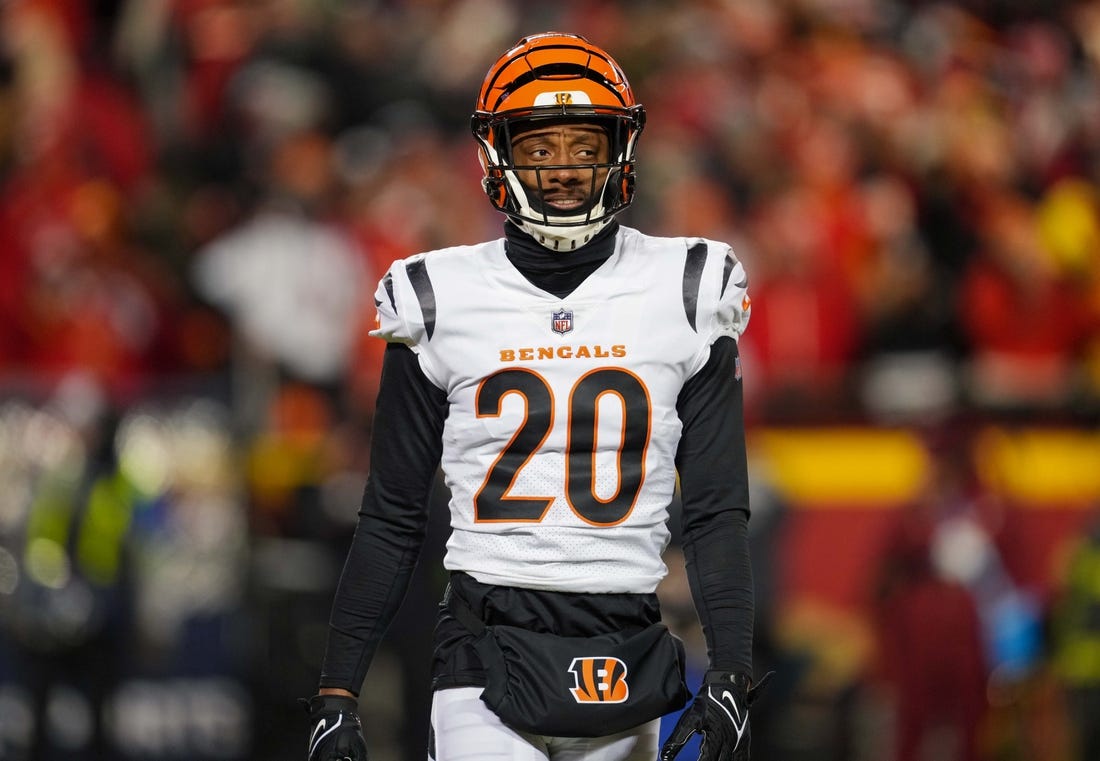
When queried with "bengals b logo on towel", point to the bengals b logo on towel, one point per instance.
{"points": [[599, 680]]}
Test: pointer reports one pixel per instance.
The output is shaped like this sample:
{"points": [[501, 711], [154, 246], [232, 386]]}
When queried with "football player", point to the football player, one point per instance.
{"points": [[565, 376]]}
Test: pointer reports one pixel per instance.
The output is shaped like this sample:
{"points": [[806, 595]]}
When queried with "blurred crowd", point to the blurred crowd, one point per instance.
{"points": [[197, 198], [912, 185]]}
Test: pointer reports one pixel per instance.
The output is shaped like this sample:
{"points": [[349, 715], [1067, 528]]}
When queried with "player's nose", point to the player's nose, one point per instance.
{"points": [[566, 172]]}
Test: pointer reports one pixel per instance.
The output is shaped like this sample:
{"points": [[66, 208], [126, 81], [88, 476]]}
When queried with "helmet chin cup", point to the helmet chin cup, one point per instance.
{"points": [[562, 238]]}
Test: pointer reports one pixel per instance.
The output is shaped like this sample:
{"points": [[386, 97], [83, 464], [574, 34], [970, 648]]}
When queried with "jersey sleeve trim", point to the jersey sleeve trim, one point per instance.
{"points": [[727, 270], [733, 307], [405, 303], [421, 282], [693, 280], [387, 283]]}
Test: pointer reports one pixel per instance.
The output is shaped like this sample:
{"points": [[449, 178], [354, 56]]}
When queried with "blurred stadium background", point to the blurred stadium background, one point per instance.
{"points": [[198, 197]]}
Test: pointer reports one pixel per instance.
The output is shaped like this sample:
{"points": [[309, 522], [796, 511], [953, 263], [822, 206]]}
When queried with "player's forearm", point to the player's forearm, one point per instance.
{"points": [[376, 576], [720, 576]]}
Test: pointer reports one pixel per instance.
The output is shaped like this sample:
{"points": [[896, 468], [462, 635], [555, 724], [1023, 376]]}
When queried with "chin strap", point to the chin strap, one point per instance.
{"points": [[562, 239]]}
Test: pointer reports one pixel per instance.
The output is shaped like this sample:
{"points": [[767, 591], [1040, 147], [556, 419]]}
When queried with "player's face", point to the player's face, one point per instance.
{"points": [[557, 161]]}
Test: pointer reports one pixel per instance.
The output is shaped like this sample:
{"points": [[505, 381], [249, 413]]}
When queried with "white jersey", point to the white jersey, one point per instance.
{"points": [[561, 434]]}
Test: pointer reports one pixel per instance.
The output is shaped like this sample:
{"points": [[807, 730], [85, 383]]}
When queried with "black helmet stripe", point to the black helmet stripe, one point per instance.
{"points": [[557, 70], [534, 73], [503, 67]]}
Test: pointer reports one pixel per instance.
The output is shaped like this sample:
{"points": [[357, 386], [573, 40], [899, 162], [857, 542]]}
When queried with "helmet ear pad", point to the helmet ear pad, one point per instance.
{"points": [[495, 187], [626, 184], [619, 188]]}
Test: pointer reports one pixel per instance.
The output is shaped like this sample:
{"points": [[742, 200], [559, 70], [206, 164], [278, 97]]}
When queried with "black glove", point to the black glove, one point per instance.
{"points": [[335, 732], [721, 712]]}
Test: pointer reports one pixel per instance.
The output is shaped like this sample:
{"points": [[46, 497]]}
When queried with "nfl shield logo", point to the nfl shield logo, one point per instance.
{"points": [[561, 321]]}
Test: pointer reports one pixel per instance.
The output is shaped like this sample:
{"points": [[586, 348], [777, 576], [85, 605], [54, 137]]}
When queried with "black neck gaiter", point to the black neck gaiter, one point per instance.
{"points": [[557, 273]]}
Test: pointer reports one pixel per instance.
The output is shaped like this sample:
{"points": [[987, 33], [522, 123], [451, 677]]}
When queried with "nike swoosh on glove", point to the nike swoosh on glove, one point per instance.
{"points": [[721, 712], [335, 731]]}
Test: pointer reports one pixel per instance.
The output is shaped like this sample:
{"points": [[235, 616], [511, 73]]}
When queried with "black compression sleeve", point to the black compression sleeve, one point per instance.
{"points": [[713, 469], [405, 451]]}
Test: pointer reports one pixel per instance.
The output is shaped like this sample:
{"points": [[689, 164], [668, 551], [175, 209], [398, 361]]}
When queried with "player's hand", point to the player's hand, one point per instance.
{"points": [[335, 732], [721, 712]]}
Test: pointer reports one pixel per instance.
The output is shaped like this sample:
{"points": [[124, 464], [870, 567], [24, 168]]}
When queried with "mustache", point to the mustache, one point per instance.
{"points": [[581, 189]]}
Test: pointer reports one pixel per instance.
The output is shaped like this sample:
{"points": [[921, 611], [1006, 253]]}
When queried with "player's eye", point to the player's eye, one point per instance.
{"points": [[534, 153]]}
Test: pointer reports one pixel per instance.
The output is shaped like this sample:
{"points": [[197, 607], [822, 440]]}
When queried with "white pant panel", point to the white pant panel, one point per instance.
{"points": [[466, 730]]}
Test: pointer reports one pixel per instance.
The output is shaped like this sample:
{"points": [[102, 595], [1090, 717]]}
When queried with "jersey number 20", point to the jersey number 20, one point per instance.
{"points": [[493, 502]]}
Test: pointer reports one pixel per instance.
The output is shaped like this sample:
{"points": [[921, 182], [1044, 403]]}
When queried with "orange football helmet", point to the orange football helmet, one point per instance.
{"points": [[556, 76]]}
